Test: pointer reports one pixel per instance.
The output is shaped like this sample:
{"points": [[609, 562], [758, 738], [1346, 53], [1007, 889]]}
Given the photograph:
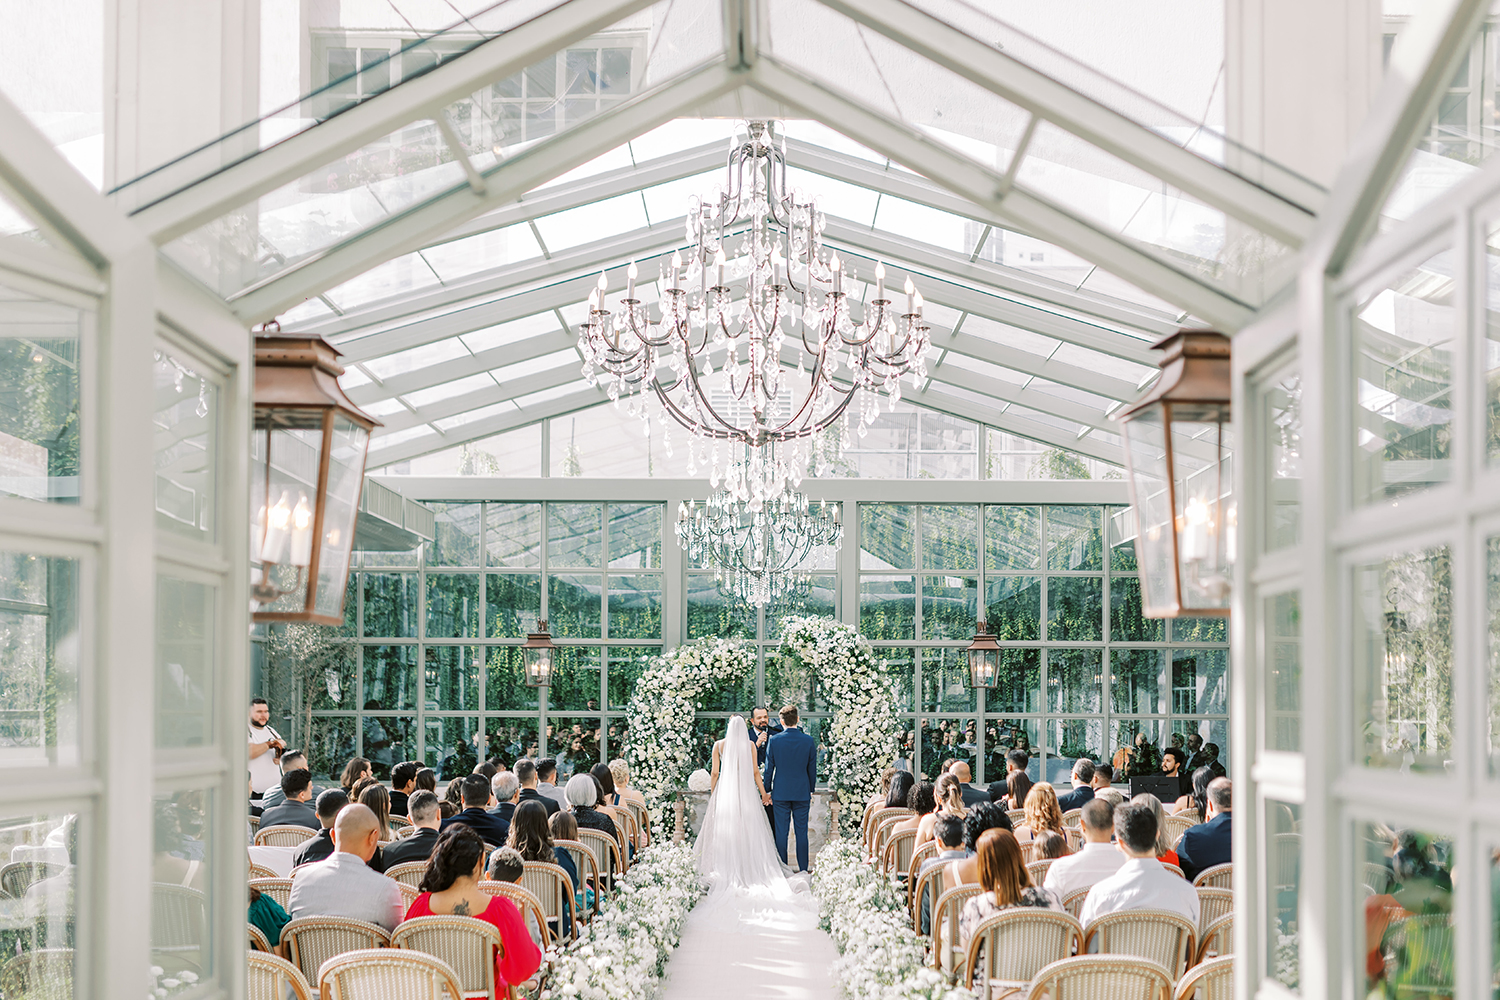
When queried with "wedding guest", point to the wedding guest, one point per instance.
{"points": [[564, 826], [1018, 786], [972, 796], [344, 884], [531, 837], [374, 795], [294, 809], [1164, 852], [1195, 805], [417, 846], [1083, 791], [1207, 844], [1097, 859], [1104, 788], [403, 783], [426, 780], [454, 792], [1042, 813], [506, 865], [530, 792], [923, 805], [1049, 846], [330, 803], [583, 796], [1005, 881], [886, 777], [985, 816], [267, 915], [608, 800], [901, 786], [948, 831], [292, 760], [507, 790], [353, 771], [1174, 765], [546, 775], [475, 815], [1141, 882], [624, 793]]}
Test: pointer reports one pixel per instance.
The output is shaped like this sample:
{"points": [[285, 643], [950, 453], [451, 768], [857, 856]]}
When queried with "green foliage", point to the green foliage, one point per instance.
{"points": [[1055, 463], [307, 652]]}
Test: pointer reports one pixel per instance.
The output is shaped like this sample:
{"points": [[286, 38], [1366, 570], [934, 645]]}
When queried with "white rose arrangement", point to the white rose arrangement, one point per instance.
{"points": [[882, 958], [700, 781]]}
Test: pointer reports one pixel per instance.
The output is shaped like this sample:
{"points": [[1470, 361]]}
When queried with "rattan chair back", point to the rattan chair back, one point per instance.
{"points": [[409, 873], [387, 974], [284, 835], [1009, 948], [947, 953], [1213, 904], [1102, 977], [529, 905], [1164, 937], [1210, 980], [279, 889], [272, 977], [554, 890], [468, 946], [311, 941], [1217, 877]]}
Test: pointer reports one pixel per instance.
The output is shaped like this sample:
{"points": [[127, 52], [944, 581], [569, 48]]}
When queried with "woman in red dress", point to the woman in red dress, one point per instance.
{"points": [[450, 887]]}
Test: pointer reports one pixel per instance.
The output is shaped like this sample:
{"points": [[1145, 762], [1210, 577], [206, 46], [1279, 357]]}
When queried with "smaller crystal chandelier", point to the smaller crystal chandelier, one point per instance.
{"points": [[755, 547]]}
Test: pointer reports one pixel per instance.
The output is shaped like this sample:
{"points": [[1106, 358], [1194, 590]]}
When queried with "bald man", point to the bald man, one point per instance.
{"points": [[344, 884], [972, 796]]}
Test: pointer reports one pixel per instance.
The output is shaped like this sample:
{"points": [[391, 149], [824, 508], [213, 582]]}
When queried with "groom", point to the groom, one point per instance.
{"points": [[791, 772]]}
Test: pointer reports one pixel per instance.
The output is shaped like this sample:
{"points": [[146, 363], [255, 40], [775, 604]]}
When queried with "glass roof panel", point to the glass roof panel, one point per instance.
{"points": [[460, 258], [516, 453], [398, 276], [613, 160], [589, 223], [510, 331], [1010, 336], [1082, 357], [418, 357], [835, 197], [448, 390], [818, 134], [306, 313], [14, 222], [1071, 394], [384, 407], [927, 225], [668, 201], [985, 368], [547, 362], [479, 413]]}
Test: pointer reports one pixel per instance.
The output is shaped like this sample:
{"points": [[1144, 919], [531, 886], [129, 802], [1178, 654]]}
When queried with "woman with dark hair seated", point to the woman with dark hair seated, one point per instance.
{"points": [[450, 887], [984, 816], [901, 786]]}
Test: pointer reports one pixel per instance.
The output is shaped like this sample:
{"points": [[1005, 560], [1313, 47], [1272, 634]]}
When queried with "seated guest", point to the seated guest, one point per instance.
{"points": [[948, 801], [1174, 765], [426, 780], [546, 775], [1141, 883], [1050, 846], [1097, 859], [564, 826], [1015, 761], [507, 792], [477, 798], [1006, 884], [1042, 813], [344, 885], [403, 783], [1083, 779], [330, 803], [292, 760], [416, 846], [985, 816], [922, 801], [900, 791], [267, 915], [1164, 852], [293, 810], [948, 831], [583, 796], [451, 886], [886, 777], [1196, 804], [1104, 788], [488, 768], [531, 837], [506, 866], [1207, 844], [623, 791], [604, 779], [972, 796], [527, 776], [353, 771], [374, 795], [455, 792], [1018, 786]]}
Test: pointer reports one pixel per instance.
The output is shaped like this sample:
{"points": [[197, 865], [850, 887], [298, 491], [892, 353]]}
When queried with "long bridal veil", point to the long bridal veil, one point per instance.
{"points": [[735, 848]]}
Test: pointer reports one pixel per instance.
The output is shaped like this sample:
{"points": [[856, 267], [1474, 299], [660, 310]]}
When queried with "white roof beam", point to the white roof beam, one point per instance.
{"points": [[530, 414], [450, 371], [935, 399], [1045, 97], [1005, 204], [550, 378], [419, 225], [246, 179]]}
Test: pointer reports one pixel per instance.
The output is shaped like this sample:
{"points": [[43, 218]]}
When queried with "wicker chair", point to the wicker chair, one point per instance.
{"points": [[1377, 877], [410, 873], [1096, 977], [528, 904], [467, 945], [1286, 856], [404, 832], [279, 889], [257, 938], [399, 823], [1015, 945], [642, 817], [1211, 980], [947, 954], [311, 941], [387, 973], [1213, 904], [178, 921], [1428, 945], [895, 859], [261, 871], [606, 855], [931, 884], [1217, 877], [1073, 819], [285, 835], [1177, 824], [587, 867], [297, 869], [1174, 869], [47, 972], [628, 826], [878, 817], [553, 889], [254, 822], [274, 978], [1217, 939], [18, 876], [1164, 937], [1017, 817], [864, 820], [926, 852], [1038, 870], [1075, 838], [1073, 901]]}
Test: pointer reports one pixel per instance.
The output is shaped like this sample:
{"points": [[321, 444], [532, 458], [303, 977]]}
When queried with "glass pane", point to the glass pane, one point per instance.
{"points": [[185, 648], [819, 598], [390, 676], [1491, 344], [950, 537], [39, 642], [1075, 608], [455, 540], [513, 534], [1075, 680], [1405, 893], [1493, 641], [390, 605], [513, 603], [575, 744], [575, 534], [1200, 629], [626, 664], [1135, 747], [511, 739], [1283, 882], [1135, 682], [945, 742], [711, 612], [616, 729], [1200, 681], [39, 935], [346, 468], [40, 417], [451, 680], [330, 746], [184, 430], [452, 606], [1069, 739], [505, 687], [1283, 451], [451, 746], [1075, 539], [945, 681], [887, 607], [574, 605], [788, 679], [950, 607], [887, 536], [1283, 624], [1012, 537], [575, 679], [181, 935], [331, 686], [1018, 683], [1013, 607], [635, 536], [899, 665], [635, 606], [388, 740], [1403, 373], [1127, 623], [1403, 661], [1001, 736]]}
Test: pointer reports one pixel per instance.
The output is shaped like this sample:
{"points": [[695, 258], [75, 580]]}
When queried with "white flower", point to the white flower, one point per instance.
{"points": [[700, 781]]}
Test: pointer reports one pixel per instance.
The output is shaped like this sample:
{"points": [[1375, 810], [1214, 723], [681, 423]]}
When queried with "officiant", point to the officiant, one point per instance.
{"points": [[761, 730]]}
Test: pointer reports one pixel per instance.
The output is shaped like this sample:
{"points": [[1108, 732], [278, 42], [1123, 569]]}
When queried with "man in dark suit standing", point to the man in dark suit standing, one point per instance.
{"points": [[1207, 844], [761, 730], [791, 772], [1083, 790]]}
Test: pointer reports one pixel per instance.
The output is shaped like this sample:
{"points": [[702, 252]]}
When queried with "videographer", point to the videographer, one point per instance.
{"points": [[266, 747]]}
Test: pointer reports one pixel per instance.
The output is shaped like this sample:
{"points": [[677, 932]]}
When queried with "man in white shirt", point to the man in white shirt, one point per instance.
{"points": [[546, 775], [265, 746], [343, 884], [1142, 883], [1096, 860]]}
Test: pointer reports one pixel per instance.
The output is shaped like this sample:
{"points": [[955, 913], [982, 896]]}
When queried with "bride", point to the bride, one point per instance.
{"points": [[735, 849]]}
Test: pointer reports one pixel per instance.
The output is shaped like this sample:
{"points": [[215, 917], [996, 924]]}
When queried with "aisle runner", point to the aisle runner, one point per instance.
{"points": [[771, 962]]}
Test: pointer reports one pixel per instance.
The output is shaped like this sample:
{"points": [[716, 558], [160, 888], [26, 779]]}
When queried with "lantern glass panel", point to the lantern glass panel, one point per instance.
{"points": [[284, 491], [346, 469], [1204, 504], [1145, 450]]}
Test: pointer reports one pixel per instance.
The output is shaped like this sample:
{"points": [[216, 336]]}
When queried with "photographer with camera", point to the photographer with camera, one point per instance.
{"points": [[266, 747]]}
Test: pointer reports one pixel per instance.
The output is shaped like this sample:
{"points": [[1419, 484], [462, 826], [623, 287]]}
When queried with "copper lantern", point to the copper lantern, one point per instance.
{"points": [[984, 659], [537, 654], [1178, 454], [307, 468]]}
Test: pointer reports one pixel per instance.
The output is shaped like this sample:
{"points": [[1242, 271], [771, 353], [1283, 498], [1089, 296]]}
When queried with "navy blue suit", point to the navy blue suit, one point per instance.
{"points": [[1204, 845], [1075, 799], [790, 774]]}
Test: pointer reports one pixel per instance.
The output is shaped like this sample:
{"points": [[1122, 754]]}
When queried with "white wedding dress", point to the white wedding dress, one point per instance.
{"points": [[756, 926]]}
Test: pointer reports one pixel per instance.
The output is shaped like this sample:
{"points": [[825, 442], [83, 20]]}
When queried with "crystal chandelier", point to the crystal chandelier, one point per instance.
{"points": [[794, 315], [755, 553]]}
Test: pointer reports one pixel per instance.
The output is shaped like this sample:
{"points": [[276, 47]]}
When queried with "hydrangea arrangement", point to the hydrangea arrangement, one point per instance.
{"points": [[623, 951], [864, 737], [882, 958], [659, 742]]}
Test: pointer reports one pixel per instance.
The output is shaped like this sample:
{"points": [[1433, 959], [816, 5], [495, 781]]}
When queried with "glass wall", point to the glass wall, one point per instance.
{"points": [[434, 673]]}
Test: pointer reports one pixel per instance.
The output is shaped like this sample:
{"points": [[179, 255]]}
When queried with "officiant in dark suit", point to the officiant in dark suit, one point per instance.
{"points": [[791, 772], [760, 732]]}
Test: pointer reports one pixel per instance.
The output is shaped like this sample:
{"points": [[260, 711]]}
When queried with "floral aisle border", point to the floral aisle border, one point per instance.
{"points": [[882, 958], [864, 737], [664, 706], [623, 951]]}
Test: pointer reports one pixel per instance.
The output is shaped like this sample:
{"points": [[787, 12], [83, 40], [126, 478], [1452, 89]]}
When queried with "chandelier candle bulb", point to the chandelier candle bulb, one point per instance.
{"points": [[630, 275], [911, 291], [879, 281], [719, 263]]}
